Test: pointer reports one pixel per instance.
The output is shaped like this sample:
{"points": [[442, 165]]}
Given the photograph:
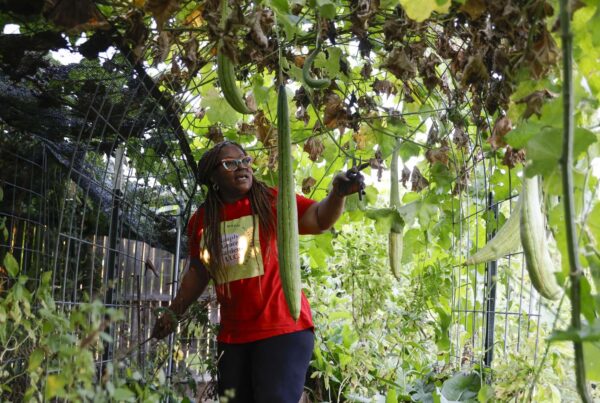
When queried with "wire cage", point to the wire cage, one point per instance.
{"points": [[496, 312], [75, 204]]}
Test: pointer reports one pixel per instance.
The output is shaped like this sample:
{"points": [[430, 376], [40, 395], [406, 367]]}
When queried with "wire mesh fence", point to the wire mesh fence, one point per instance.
{"points": [[496, 312], [96, 201]]}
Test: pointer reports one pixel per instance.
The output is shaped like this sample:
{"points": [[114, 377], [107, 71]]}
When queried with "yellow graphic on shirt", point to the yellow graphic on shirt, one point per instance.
{"points": [[241, 258]]}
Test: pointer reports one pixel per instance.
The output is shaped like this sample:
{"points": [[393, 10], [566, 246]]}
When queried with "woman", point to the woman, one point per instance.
{"points": [[263, 353]]}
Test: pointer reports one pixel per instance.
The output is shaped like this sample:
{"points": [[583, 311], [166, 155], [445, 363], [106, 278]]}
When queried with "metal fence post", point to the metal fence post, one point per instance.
{"points": [[174, 288], [491, 271]]}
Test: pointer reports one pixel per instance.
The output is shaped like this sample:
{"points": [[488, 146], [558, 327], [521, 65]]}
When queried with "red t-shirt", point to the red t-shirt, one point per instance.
{"points": [[250, 295]]}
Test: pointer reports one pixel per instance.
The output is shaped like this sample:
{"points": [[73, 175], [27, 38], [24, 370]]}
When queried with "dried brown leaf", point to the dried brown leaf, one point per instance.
{"points": [[307, 184], [400, 64], [314, 147], [334, 115], [265, 132], [384, 87], [460, 137], [418, 182], [75, 15], [475, 72], [246, 129], [405, 175], [502, 126], [543, 54], [215, 134], [438, 155], [161, 10], [513, 157], [534, 102]]}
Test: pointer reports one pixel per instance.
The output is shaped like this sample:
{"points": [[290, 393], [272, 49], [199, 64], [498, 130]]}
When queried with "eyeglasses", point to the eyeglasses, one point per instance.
{"points": [[232, 164]]}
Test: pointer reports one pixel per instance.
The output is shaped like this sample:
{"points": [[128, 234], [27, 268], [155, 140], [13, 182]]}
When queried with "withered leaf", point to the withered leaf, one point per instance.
{"points": [[334, 115], [432, 136], [400, 64], [360, 139], [75, 15], [307, 184], [405, 176], [475, 71], [460, 137], [384, 87], [366, 71], [474, 8], [314, 147], [215, 134], [161, 10], [461, 182], [534, 102], [438, 155], [377, 163], [265, 132], [303, 115], [257, 33], [136, 32], [164, 46], [418, 182], [502, 126], [194, 18], [246, 129], [543, 54], [513, 157]]}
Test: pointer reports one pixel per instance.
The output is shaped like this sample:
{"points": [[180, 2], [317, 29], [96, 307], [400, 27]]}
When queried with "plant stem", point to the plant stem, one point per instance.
{"points": [[567, 175]]}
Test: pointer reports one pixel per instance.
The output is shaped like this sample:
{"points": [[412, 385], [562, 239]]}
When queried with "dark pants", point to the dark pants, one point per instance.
{"points": [[272, 370]]}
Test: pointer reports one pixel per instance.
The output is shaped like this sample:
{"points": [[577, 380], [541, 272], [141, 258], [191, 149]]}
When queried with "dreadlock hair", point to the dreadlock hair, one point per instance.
{"points": [[260, 196]]}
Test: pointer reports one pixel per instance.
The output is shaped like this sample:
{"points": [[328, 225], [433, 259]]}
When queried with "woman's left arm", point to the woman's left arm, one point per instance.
{"points": [[322, 215]]}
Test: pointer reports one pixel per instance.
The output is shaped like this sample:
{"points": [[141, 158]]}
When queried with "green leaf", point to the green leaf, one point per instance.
{"points": [[11, 265], [519, 136], [332, 63], [391, 396], [544, 150], [55, 386], [385, 219], [218, 109], [486, 394], [35, 359], [408, 150], [589, 332], [421, 10], [123, 394], [326, 9], [1, 194], [462, 388], [591, 356]]}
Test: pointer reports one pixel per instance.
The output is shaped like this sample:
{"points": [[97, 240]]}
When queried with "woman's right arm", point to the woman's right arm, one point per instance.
{"points": [[192, 286]]}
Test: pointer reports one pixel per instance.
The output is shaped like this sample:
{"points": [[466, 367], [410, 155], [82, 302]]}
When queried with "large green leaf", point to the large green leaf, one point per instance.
{"points": [[462, 388], [544, 150], [591, 355], [421, 10], [218, 109], [11, 265]]}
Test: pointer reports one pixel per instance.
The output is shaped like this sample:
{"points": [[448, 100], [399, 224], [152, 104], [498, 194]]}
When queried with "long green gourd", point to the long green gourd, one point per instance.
{"points": [[312, 82], [506, 240], [226, 72], [287, 214], [227, 80], [395, 237], [535, 244]]}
